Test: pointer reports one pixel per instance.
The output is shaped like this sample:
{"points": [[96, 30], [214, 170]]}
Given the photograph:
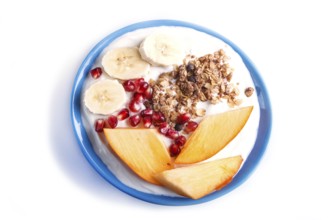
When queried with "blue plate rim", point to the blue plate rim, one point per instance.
{"points": [[252, 160]]}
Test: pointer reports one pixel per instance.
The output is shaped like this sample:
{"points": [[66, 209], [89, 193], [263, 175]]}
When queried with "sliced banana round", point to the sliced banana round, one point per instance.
{"points": [[125, 63], [162, 49], [105, 97]]}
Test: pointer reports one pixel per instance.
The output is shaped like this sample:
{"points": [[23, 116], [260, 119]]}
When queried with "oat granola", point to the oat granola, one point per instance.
{"points": [[207, 78]]}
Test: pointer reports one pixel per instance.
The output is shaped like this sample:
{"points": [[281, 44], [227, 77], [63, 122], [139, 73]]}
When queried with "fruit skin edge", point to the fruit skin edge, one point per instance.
{"points": [[251, 161]]}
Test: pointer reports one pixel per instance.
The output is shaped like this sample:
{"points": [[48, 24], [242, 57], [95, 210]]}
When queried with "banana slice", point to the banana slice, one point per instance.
{"points": [[162, 49], [105, 97], [125, 63]]}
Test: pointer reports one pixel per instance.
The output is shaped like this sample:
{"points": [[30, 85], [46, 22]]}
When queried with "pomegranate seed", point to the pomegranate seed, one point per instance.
{"points": [[138, 81], [129, 86], [158, 117], [135, 120], [147, 121], [138, 97], [179, 127], [183, 118], [147, 112], [123, 114], [163, 128], [96, 72], [190, 126], [134, 106], [148, 93], [174, 150], [142, 87], [112, 121], [181, 140], [99, 125], [171, 133]]}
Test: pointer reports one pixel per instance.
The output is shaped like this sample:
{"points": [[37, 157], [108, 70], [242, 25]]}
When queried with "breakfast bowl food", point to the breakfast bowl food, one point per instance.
{"points": [[170, 112]]}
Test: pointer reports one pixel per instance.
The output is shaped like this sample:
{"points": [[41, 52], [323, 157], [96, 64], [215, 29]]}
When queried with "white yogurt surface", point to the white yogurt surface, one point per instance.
{"points": [[198, 44]]}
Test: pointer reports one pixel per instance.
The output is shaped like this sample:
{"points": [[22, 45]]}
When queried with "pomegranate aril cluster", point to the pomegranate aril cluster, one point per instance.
{"points": [[136, 85], [183, 122], [110, 122], [177, 145], [142, 93]]}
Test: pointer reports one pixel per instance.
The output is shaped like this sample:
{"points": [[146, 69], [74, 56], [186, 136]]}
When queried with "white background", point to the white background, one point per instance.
{"points": [[43, 174]]}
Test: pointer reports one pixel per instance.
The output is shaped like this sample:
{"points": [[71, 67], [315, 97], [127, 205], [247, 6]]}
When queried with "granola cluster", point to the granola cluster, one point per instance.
{"points": [[202, 79]]}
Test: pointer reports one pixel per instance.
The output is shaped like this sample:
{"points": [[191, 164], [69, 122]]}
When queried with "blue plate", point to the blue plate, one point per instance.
{"points": [[250, 163]]}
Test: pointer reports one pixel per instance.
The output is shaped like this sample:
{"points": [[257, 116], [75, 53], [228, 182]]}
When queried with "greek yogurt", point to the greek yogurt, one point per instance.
{"points": [[195, 43]]}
